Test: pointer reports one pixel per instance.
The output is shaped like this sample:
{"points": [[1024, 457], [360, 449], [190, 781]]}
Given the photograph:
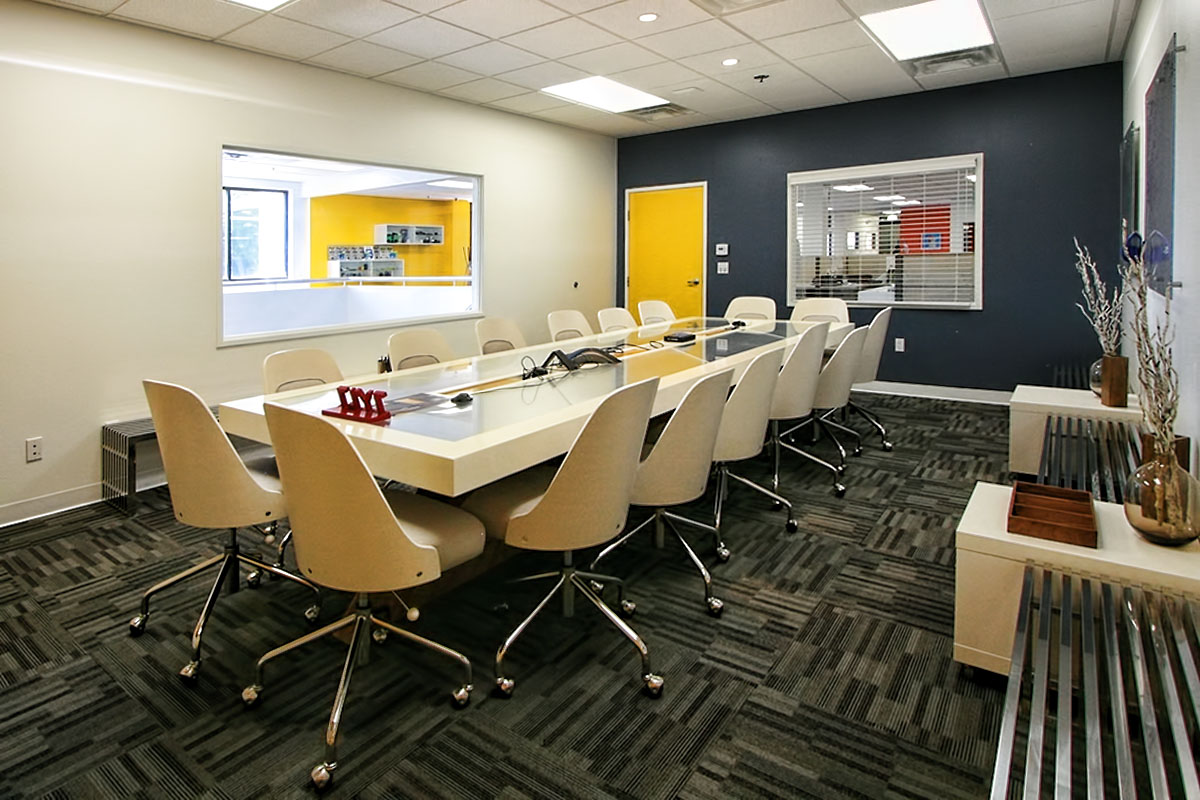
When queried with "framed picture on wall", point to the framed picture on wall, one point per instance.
{"points": [[1130, 176], [1160, 173]]}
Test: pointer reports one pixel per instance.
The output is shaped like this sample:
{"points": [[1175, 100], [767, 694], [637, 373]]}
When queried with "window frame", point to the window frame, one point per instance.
{"points": [[890, 169], [227, 220]]}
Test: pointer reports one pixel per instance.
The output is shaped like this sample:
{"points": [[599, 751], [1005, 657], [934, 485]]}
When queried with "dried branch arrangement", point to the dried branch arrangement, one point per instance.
{"points": [[1103, 309]]}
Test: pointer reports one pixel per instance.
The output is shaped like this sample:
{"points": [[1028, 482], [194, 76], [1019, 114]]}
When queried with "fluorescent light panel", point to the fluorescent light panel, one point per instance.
{"points": [[926, 29], [604, 94], [853, 187], [906, 202], [450, 183], [887, 198], [261, 5]]}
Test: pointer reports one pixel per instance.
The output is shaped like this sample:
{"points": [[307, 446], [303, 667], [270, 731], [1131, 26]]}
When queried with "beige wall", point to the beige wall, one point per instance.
{"points": [[109, 220]]}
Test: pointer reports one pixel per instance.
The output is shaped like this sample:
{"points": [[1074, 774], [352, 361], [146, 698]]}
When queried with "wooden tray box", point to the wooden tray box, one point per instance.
{"points": [[1049, 512]]}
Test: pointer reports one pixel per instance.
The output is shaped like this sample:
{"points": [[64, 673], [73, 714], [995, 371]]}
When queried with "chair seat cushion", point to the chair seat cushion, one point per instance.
{"points": [[497, 503], [455, 534], [266, 474]]}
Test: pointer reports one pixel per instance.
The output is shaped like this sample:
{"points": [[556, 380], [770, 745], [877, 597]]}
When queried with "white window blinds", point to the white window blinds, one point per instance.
{"points": [[902, 234]]}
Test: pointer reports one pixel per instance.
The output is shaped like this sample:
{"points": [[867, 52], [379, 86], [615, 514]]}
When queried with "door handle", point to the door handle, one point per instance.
{"points": [[693, 282]]}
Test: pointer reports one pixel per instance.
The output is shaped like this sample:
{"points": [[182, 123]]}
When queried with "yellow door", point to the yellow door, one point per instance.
{"points": [[665, 235]]}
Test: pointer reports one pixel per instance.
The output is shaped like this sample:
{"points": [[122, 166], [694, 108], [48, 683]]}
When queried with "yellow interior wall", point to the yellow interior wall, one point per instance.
{"points": [[350, 219]]}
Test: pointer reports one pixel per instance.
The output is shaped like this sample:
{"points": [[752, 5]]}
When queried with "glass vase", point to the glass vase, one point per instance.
{"points": [[1096, 376], [1162, 503]]}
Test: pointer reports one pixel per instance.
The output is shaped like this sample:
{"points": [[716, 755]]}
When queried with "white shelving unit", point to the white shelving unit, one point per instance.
{"points": [[409, 234]]}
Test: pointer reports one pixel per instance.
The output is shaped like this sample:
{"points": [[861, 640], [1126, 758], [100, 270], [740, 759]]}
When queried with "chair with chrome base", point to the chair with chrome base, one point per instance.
{"points": [[795, 391], [615, 319], [868, 370], [567, 324], [583, 504], [833, 392], [418, 347], [742, 432], [211, 487], [496, 334], [296, 369], [676, 471], [653, 312], [750, 307], [350, 537]]}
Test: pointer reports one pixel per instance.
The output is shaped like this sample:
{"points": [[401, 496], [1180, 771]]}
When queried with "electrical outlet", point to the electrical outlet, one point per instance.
{"points": [[722, 267], [33, 449], [899, 345], [723, 249]]}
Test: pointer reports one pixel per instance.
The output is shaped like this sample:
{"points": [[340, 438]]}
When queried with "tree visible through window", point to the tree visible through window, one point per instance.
{"points": [[256, 233]]}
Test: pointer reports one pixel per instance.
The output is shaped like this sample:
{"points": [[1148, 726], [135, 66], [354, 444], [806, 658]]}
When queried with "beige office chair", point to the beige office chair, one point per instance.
{"points": [[833, 392], [655, 311], [567, 324], [868, 370], [818, 309], [795, 391], [418, 347], [677, 468], [351, 538], [742, 432], [211, 487], [615, 319], [583, 504], [496, 334], [295, 369], [749, 307]]}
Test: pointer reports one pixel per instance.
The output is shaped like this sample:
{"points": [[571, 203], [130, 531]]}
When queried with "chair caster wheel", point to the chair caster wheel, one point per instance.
{"points": [[504, 687], [839, 490], [628, 608], [596, 586], [137, 625], [379, 635], [190, 673], [857, 451], [253, 579], [792, 526], [321, 777], [653, 687], [776, 505], [715, 606], [461, 697], [251, 696], [887, 447], [312, 612], [841, 470], [723, 553]]}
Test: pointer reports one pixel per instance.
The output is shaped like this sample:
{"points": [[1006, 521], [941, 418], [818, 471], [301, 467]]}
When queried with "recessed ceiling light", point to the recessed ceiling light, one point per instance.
{"points": [[449, 183], [853, 187], [906, 202], [938, 26], [647, 17], [261, 5], [799, 205], [887, 198], [729, 62], [604, 94]]}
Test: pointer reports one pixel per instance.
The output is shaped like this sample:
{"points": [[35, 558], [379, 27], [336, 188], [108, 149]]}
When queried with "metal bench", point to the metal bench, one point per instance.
{"points": [[1095, 455], [1103, 692]]}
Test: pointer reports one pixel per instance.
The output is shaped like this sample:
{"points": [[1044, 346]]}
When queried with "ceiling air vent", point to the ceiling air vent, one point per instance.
{"points": [[655, 113], [721, 7], [952, 62]]}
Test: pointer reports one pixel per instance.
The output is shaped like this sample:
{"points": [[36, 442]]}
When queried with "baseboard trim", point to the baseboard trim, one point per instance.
{"points": [[958, 393], [44, 505]]}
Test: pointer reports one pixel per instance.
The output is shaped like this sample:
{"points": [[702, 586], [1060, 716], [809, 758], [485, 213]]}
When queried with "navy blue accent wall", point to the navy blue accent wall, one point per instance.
{"points": [[1051, 146]]}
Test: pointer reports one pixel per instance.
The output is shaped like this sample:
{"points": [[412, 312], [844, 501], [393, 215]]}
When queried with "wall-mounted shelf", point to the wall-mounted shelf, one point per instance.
{"points": [[367, 267], [405, 233]]}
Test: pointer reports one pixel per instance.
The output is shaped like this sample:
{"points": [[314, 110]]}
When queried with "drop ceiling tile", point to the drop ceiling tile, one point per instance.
{"points": [[615, 58], [828, 39], [491, 58], [748, 56], [999, 9], [364, 58], [787, 16], [426, 37], [499, 18], [704, 37], [529, 103], [282, 37], [787, 88], [424, 6], [352, 17], [92, 6], [205, 18], [484, 90], [579, 6], [1067, 36], [539, 76], [668, 73], [593, 120], [861, 7], [859, 74], [430, 76], [622, 18], [709, 97], [959, 77], [563, 38]]}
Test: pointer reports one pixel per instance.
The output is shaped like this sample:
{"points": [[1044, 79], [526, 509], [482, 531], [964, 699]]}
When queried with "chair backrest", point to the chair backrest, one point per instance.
{"points": [[210, 486], [797, 384], [837, 376], [676, 471], [588, 500], [872, 352], [498, 333], [295, 369], [567, 324], [615, 319], [418, 347], [750, 307], [343, 531], [652, 311], [744, 421], [816, 309]]}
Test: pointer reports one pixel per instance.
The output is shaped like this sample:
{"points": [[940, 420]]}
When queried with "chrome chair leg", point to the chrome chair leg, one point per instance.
{"points": [[792, 526], [598, 582], [714, 605], [824, 424], [541, 576], [719, 506], [312, 612], [504, 684], [876, 423], [282, 550], [253, 693], [652, 684], [847, 431], [839, 488], [190, 671], [462, 695], [322, 774], [774, 440], [618, 542], [137, 625]]}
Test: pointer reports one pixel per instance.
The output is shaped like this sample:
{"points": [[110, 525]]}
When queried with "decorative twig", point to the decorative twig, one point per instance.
{"points": [[1103, 310]]}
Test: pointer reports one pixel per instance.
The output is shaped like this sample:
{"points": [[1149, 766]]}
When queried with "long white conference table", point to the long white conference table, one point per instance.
{"points": [[511, 423]]}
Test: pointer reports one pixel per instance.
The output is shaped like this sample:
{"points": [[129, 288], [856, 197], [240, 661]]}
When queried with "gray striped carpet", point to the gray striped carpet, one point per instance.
{"points": [[830, 674]]}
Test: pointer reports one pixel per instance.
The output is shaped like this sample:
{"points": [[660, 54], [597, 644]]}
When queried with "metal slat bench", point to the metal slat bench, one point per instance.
{"points": [[1095, 455], [1118, 664]]}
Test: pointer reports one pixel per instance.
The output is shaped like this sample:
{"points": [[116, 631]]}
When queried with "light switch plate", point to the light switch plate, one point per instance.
{"points": [[722, 267], [722, 249]]}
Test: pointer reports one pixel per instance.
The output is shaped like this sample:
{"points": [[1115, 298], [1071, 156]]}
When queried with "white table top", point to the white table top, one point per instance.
{"points": [[1077, 402], [451, 449]]}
